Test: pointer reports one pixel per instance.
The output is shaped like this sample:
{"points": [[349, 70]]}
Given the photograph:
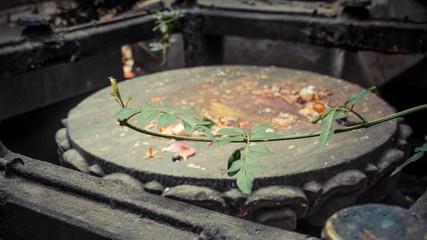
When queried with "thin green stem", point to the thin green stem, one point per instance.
{"points": [[158, 134], [355, 113], [282, 138]]}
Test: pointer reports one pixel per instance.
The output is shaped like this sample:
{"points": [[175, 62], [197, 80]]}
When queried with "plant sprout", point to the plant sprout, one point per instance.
{"points": [[165, 24]]}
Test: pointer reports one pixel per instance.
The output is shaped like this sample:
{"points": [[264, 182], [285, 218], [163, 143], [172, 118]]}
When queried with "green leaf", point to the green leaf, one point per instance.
{"points": [[327, 127], [235, 156], [163, 28], [259, 132], [259, 150], [231, 132], [328, 111], [166, 119], [264, 136], [414, 158], [245, 180], [156, 46], [211, 123], [339, 115], [359, 97], [254, 162], [207, 132], [419, 154], [162, 107], [172, 40], [235, 167], [225, 140], [193, 120], [128, 99], [147, 116], [323, 116], [423, 148], [189, 128], [259, 128], [126, 113], [192, 123]]}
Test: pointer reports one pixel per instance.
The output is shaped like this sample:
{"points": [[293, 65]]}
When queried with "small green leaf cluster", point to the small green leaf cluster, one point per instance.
{"points": [[259, 132], [419, 153], [166, 116], [165, 23], [243, 159], [338, 113]]}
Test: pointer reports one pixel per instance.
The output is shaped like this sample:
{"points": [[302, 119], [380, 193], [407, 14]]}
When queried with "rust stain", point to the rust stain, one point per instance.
{"points": [[220, 110]]}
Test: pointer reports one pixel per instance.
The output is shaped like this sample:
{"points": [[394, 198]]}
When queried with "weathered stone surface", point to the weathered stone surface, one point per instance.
{"points": [[96, 170], [234, 197], [338, 192], [89, 125], [379, 190], [419, 208], [370, 170], [73, 159], [61, 139], [283, 218], [278, 197], [404, 131], [61, 135], [329, 207], [125, 179], [64, 145], [43, 201], [64, 122], [154, 187], [350, 180], [390, 158], [201, 196], [306, 176], [374, 221]]}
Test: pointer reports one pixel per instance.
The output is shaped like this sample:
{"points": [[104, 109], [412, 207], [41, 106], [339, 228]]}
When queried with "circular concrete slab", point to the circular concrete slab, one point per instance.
{"points": [[246, 95]]}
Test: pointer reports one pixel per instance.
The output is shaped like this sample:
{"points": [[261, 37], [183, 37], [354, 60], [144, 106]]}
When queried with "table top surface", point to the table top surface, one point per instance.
{"points": [[229, 95]]}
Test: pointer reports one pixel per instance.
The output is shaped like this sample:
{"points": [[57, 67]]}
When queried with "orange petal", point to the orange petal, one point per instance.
{"points": [[156, 99]]}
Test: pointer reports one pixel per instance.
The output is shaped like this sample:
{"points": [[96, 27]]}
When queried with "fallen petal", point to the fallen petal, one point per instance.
{"points": [[181, 149]]}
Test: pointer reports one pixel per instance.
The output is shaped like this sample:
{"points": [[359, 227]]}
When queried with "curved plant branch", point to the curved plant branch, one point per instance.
{"points": [[244, 159], [277, 137]]}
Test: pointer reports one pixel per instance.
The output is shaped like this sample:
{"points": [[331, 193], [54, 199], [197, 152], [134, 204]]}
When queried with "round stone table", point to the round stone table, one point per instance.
{"points": [[301, 180]]}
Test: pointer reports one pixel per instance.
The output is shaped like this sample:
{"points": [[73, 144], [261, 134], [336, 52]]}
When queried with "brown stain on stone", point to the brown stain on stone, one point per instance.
{"points": [[220, 110]]}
